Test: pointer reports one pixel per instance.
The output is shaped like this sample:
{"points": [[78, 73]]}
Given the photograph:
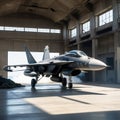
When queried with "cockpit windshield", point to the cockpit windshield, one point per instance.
{"points": [[76, 53]]}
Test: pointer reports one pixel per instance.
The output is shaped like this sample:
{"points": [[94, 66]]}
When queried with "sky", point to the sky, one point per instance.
{"points": [[15, 58]]}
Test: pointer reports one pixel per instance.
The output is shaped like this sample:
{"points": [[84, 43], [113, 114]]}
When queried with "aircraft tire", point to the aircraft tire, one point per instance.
{"points": [[70, 85], [33, 83], [64, 82]]}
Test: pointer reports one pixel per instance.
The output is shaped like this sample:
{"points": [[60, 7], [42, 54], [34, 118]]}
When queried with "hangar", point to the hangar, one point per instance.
{"points": [[92, 26], [89, 25]]}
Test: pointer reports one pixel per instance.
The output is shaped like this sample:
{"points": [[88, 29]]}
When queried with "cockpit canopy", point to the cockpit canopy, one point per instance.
{"points": [[76, 53]]}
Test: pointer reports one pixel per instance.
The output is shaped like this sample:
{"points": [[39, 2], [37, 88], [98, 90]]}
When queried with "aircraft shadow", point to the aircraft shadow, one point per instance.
{"points": [[27, 92]]}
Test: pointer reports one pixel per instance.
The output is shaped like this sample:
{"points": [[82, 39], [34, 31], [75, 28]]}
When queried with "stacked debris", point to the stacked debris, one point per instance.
{"points": [[7, 83]]}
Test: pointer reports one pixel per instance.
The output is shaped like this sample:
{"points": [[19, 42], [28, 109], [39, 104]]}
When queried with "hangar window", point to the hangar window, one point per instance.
{"points": [[105, 18], [72, 32], [43, 30], [6, 28], [1, 27], [55, 31], [26, 29], [86, 27], [10, 28], [19, 29], [31, 29]]}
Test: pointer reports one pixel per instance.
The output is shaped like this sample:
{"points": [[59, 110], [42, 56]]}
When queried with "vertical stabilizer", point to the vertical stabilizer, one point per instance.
{"points": [[46, 54], [30, 58]]}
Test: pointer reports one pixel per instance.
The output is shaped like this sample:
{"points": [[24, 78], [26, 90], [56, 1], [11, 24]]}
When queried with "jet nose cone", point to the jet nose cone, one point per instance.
{"points": [[97, 64]]}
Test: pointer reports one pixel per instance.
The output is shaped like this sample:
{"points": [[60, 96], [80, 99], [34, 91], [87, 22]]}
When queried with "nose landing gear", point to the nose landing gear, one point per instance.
{"points": [[64, 82], [70, 84]]}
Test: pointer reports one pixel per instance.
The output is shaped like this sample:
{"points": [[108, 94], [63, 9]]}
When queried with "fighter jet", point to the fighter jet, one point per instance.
{"points": [[70, 64]]}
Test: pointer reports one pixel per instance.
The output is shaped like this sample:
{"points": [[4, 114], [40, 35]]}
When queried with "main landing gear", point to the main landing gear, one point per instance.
{"points": [[34, 81], [63, 80], [64, 83]]}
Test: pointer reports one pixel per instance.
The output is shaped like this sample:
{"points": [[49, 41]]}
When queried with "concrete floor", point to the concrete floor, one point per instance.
{"points": [[51, 102]]}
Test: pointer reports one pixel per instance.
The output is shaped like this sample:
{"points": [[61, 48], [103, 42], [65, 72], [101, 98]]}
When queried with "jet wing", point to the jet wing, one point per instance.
{"points": [[55, 62], [42, 63]]}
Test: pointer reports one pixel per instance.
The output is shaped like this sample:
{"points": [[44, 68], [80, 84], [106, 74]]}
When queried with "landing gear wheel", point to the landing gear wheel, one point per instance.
{"points": [[70, 85], [64, 82], [33, 83]]}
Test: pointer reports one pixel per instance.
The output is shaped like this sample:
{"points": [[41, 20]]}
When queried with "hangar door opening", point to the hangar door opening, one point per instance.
{"points": [[16, 58], [118, 65]]}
